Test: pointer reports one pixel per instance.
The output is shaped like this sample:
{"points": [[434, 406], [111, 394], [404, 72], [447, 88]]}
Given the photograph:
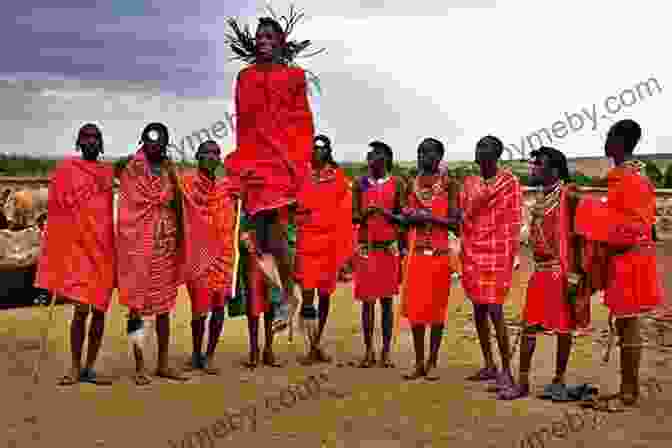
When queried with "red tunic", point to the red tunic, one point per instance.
{"points": [[428, 266], [547, 304], [324, 229], [624, 221], [274, 136], [376, 263], [490, 236]]}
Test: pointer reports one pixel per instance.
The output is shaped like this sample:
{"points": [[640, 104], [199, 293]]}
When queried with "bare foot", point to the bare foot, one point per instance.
{"points": [[171, 374], [431, 365], [71, 379], [385, 361], [419, 372], [270, 361], [368, 361], [253, 362], [321, 356]]}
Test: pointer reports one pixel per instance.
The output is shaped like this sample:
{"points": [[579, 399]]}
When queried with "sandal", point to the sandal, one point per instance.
{"points": [[90, 376], [485, 374], [67, 380], [142, 379]]}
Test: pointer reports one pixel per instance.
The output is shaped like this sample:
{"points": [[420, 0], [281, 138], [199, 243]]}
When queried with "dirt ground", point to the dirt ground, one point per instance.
{"points": [[356, 407]]}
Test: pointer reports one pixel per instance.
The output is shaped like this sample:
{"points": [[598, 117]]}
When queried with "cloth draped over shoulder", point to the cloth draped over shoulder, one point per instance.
{"points": [[212, 198], [490, 235], [152, 258], [78, 256], [623, 222], [274, 136]]}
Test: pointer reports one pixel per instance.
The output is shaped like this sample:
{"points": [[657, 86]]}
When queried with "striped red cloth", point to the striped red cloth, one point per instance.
{"points": [[490, 235], [150, 264]]}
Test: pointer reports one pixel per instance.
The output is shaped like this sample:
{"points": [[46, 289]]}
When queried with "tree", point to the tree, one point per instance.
{"points": [[653, 172], [668, 176]]}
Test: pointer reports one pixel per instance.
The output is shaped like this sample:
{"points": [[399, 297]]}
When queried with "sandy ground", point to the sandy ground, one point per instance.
{"points": [[354, 408]]}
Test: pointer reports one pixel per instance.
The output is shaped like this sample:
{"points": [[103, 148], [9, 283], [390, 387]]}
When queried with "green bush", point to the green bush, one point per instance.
{"points": [[668, 176]]}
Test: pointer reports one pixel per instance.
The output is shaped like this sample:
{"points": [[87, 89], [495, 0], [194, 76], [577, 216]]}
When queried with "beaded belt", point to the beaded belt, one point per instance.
{"points": [[547, 265], [428, 251]]}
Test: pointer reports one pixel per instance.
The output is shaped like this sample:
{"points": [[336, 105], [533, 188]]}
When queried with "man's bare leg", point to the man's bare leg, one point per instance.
{"points": [[323, 315], [483, 331], [387, 328], [197, 360], [253, 334], [505, 379], [368, 319], [214, 332], [435, 339], [308, 304], [96, 331], [163, 336], [136, 335], [268, 358], [522, 389], [77, 335], [419, 371]]}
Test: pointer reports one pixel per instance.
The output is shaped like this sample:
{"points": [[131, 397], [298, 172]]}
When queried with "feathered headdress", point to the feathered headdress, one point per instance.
{"points": [[242, 41]]}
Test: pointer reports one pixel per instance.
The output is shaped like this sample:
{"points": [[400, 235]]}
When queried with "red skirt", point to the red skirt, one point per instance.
{"points": [[427, 289], [376, 276], [316, 260], [204, 299], [546, 303], [633, 285], [259, 297]]}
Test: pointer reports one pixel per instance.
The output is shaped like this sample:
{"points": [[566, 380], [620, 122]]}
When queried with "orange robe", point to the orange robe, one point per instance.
{"points": [[624, 221], [212, 198], [78, 254], [274, 136], [324, 230]]}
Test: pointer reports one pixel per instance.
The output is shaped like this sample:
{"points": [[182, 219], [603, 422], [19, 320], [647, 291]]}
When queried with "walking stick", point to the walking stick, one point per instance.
{"points": [[402, 293], [236, 248], [43, 340]]}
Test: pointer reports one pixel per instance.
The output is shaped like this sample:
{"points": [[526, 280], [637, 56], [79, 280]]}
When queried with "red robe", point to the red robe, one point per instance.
{"points": [[490, 236], [150, 264], [428, 268], [376, 263], [77, 260], [547, 304], [624, 222], [324, 229], [213, 199], [274, 136]]}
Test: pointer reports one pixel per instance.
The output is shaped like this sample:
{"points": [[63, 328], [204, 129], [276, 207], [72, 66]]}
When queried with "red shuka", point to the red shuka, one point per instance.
{"points": [[624, 221], [274, 136], [547, 303], [490, 235], [324, 230], [427, 278], [376, 271], [78, 255]]}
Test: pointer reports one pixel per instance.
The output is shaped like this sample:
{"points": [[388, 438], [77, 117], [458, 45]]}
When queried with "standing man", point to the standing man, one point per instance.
{"points": [[376, 199], [324, 240], [154, 257], [213, 197], [624, 222], [274, 136], [491, 204], [78, 255], [431, 213], [547, 307]]}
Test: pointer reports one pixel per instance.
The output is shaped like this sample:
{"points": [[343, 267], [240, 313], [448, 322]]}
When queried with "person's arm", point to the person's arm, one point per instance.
{"points": [[357, 215]]}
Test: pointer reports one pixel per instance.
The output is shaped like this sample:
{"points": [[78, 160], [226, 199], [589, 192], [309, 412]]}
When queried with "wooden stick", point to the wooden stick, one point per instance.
{"points": [[43, 340], [236, 248], [402, 292]]}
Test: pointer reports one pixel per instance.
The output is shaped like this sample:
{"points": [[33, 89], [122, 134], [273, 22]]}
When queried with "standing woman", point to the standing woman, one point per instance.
{"points": [[274, 139]]}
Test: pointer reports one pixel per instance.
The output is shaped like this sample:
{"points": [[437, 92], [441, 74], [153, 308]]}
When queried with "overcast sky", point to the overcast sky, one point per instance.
{"points": [[394, 70]]}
